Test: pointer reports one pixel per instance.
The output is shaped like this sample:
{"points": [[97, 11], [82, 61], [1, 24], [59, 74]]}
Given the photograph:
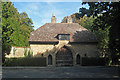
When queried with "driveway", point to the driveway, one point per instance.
{"points": [[61, 72]]}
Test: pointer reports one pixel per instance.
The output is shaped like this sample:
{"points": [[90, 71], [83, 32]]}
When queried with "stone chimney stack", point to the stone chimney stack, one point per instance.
{"points": [[53, 19], [69, 19]]}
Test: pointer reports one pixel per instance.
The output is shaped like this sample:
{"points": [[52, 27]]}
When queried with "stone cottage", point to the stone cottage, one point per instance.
{"points": [[63, 44]]}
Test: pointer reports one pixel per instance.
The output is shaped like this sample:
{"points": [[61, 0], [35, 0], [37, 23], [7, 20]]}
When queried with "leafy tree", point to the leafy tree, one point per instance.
{"points": [[0, 33], [87, 22], [7, 13], [107, 20], [16, 27]]}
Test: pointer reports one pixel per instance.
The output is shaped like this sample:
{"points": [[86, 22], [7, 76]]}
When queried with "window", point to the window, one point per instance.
{"points": [[64, 36]]}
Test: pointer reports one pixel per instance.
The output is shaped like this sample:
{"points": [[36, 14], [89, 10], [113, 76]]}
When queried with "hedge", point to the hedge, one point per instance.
{"points": [[25, 61], [94, 61]]}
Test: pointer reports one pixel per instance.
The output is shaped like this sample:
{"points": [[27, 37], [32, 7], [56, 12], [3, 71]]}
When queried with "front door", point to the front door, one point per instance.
{"points": [[64, 57]]}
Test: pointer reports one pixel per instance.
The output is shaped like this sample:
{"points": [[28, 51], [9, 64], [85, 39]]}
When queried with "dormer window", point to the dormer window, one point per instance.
{"points": [[64, 36]]}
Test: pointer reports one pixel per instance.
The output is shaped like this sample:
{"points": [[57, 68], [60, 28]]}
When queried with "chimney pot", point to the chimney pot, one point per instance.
{"points": [[53, 19]]}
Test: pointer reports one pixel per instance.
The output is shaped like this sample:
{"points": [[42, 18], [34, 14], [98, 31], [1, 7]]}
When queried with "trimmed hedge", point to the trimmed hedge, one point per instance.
{"points": [[94, 61], [25, 61]]}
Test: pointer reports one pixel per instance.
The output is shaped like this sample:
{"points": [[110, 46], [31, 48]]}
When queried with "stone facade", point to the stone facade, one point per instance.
{"points": [[83, 49]]}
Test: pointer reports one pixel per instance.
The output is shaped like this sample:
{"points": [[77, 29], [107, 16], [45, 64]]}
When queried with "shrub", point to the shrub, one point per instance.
{"points": [[25, 61], [14, 51], [93, 61], [25, 52], [30, 54]]}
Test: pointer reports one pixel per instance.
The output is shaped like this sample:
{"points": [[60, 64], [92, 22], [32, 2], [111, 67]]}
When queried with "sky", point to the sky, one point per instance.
{"points": [[41, 12]]}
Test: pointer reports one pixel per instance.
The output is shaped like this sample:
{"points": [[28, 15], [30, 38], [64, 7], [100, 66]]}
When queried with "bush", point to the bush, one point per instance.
{"points": [[93, 61], [25, 52], [26, 61]]}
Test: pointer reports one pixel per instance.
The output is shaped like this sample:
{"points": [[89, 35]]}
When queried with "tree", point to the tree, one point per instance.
{"points": [[87, 22], [0, 32], [16, 27], [107, 20]]}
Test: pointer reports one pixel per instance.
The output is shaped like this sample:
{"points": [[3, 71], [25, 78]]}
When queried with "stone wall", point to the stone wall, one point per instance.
{"points": [[89, 50], [84, 50], [39, 49], [17, 51]]}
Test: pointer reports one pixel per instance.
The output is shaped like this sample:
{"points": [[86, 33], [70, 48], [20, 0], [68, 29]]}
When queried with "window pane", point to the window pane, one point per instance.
{"points": [[64, 37]]}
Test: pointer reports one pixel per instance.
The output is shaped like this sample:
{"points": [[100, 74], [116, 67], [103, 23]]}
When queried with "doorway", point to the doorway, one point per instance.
{"points": [[78, 59], [64, 57], [49, 60]]}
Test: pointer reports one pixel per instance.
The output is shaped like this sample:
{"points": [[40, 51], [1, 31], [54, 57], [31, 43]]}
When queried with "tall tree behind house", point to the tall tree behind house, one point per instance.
{"points": [[108, 22]]}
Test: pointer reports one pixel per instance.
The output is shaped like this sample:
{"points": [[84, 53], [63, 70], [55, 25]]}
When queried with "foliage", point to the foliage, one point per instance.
{"points": [[28, 53], [16, 27], [0, 29], [102, 35], [14, 51], [94, 61], [107, 21], [25, 52], [25, 61], [87, 22]]}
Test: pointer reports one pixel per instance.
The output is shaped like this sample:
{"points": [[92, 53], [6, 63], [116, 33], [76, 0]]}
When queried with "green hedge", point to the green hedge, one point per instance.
{"points": [[93, 61], [25, 61]]}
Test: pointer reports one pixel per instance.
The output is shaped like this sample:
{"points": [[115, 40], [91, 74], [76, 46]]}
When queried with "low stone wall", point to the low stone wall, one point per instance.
{"points": [[17, 51]]}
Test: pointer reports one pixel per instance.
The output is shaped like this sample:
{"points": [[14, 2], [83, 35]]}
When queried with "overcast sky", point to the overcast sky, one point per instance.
{"points": [[41, 12]]}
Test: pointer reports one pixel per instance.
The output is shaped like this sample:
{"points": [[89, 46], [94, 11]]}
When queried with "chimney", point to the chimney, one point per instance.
{"points": [[69, 19], [53, 19]]}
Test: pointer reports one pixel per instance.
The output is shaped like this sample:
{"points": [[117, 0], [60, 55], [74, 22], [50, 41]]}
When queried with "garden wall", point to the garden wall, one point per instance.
{"points": [[17, 51]]}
